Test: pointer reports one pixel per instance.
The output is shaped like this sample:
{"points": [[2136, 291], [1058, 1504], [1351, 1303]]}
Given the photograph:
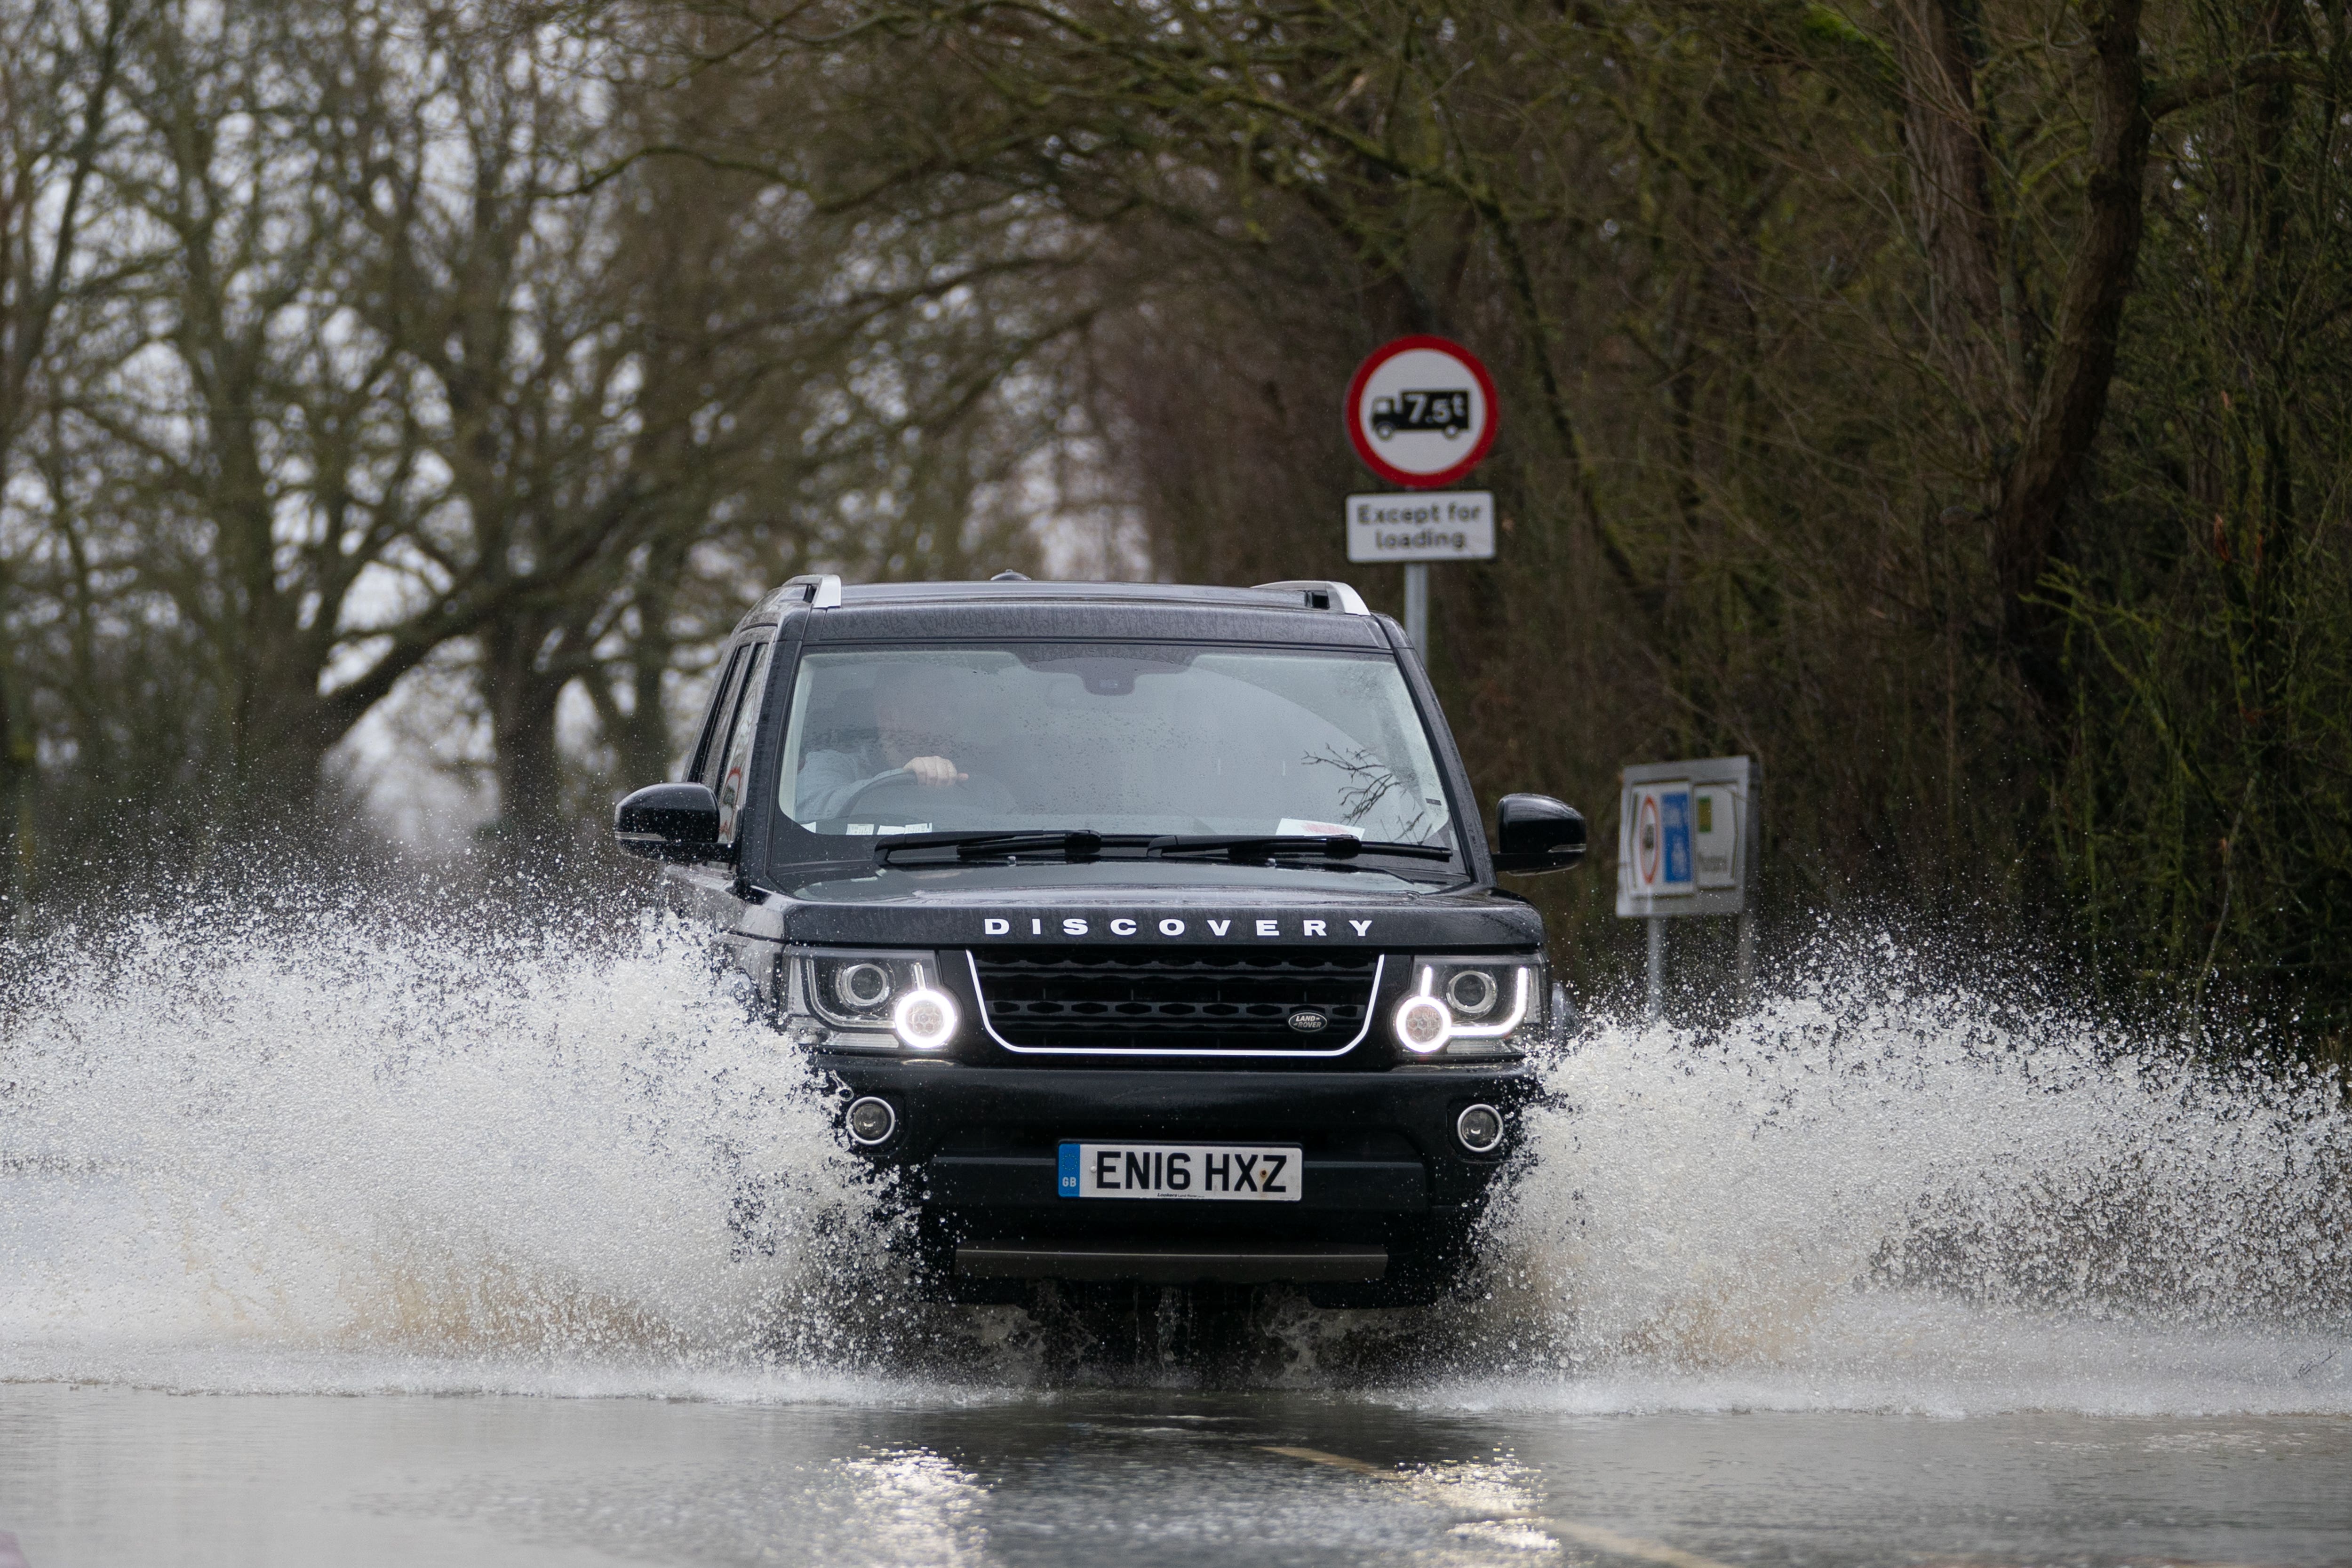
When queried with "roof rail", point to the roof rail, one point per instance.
{"points": [[824, 589], [1322, 594]]}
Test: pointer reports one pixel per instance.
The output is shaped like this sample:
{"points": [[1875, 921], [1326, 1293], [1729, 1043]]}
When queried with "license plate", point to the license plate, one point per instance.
{"points": [[1218, 1172]]}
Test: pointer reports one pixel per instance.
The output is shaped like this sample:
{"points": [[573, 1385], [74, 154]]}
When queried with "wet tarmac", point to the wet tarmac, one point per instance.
{"points": [[102, 1475]]}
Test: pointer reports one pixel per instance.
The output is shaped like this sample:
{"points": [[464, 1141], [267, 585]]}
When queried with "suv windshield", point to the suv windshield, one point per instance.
{"points": [[1109, 739]]}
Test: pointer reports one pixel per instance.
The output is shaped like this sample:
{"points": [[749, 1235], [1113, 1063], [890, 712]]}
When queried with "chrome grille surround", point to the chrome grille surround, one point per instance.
{"points": [[1175, 1001]]}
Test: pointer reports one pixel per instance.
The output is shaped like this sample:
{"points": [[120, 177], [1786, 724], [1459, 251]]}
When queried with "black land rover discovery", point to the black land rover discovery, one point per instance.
{"points": [[1150, 931]]}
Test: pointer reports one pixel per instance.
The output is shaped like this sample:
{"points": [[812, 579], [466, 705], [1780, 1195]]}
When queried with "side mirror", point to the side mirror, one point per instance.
{"points": [[669, 822], [1536, 832]]}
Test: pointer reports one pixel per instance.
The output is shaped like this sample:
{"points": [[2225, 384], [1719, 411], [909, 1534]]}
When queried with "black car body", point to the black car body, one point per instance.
{"points": [[1086, 950]]}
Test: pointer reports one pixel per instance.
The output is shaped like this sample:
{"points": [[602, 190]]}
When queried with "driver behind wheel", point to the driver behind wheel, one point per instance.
{"points": [[914, 734]]}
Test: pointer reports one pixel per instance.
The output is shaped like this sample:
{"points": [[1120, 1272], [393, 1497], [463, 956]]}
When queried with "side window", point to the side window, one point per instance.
{"points": [[738, 754], [703, 765]]}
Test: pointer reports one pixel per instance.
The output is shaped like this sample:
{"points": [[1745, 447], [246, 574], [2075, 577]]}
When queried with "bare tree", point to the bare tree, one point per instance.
{"points": [[60, 63]]}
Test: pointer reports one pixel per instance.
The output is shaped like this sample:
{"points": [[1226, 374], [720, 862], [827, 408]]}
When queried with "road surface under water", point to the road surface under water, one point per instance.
{"points": [[485, 1245], [100, 1474]]}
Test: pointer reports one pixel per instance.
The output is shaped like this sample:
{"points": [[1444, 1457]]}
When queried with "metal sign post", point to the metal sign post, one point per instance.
{"points": [[1687, 837], [1421, 413]]}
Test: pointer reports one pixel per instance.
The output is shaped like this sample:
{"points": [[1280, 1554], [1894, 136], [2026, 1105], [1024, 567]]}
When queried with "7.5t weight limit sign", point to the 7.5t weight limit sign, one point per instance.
{"points": [[1421, 412]]}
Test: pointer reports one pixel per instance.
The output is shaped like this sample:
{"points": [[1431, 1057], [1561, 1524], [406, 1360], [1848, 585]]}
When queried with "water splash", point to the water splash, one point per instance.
{"points": [[1874, 1184], [289, 1150], [288, 1133]]}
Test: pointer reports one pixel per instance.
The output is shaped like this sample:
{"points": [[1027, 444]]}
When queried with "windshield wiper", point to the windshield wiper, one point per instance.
{"points": [[1267, 846], [1084, 844], [1077, 843]]}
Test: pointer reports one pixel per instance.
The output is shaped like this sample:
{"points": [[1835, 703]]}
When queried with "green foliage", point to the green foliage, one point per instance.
{"points": [[1874, 379], [2202, 818]]}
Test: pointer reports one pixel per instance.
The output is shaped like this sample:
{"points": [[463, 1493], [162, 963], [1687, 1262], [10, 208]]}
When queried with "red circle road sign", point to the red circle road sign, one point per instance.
{"points": [[1422, 413]]}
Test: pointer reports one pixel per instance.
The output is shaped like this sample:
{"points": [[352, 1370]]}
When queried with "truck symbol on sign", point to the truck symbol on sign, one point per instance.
{"points": [[1447, 412]]}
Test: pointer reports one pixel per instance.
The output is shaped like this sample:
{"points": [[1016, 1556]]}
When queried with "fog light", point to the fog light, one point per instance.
{"points": [[1480, 1128], [924, 1018], [871, 1120]]}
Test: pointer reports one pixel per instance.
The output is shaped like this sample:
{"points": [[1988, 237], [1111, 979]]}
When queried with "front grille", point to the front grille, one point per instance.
{"points": [[1194, 1001]]}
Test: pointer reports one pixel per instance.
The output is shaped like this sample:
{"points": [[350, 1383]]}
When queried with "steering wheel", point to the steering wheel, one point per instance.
{"points": [[919, 800]]}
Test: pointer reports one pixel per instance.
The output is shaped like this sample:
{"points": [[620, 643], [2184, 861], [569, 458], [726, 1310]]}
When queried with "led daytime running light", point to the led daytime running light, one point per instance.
{"points": [[924, 1018], [1425, 1004], [1504, 1025]]}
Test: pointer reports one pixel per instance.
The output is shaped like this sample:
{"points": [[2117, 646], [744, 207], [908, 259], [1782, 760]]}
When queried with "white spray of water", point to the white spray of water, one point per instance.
{"points": [[290, 1152], [287, 1135], [1879, 1191]]}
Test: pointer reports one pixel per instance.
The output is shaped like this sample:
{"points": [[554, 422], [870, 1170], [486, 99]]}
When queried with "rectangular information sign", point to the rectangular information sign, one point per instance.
{"points": [[1429, 525], [1686, 837]]}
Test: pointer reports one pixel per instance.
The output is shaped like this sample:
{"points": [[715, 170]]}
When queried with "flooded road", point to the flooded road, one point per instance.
{"points": [[101, 1475], [438, 1248]]}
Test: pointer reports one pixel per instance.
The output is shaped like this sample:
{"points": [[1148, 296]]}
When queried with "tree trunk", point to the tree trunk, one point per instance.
{"points": [[2071, 400], [1940, 43], [18, 759], [642, 742], [528, 766]]}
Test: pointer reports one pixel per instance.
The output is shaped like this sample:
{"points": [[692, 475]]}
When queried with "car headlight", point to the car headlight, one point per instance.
{"points": [[869, 1001], [1471, 1006]]}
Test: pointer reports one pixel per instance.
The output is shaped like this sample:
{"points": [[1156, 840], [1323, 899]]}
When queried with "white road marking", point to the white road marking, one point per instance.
{"points": [[1337, 1461], [1592, 1535], [1618, 1545]]}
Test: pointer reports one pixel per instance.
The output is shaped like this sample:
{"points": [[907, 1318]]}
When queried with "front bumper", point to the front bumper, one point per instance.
{"points": [[1382, 1173]]}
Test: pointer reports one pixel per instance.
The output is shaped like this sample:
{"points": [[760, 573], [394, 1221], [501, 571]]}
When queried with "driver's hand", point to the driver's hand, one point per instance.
{"points": [[935, 771]]}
